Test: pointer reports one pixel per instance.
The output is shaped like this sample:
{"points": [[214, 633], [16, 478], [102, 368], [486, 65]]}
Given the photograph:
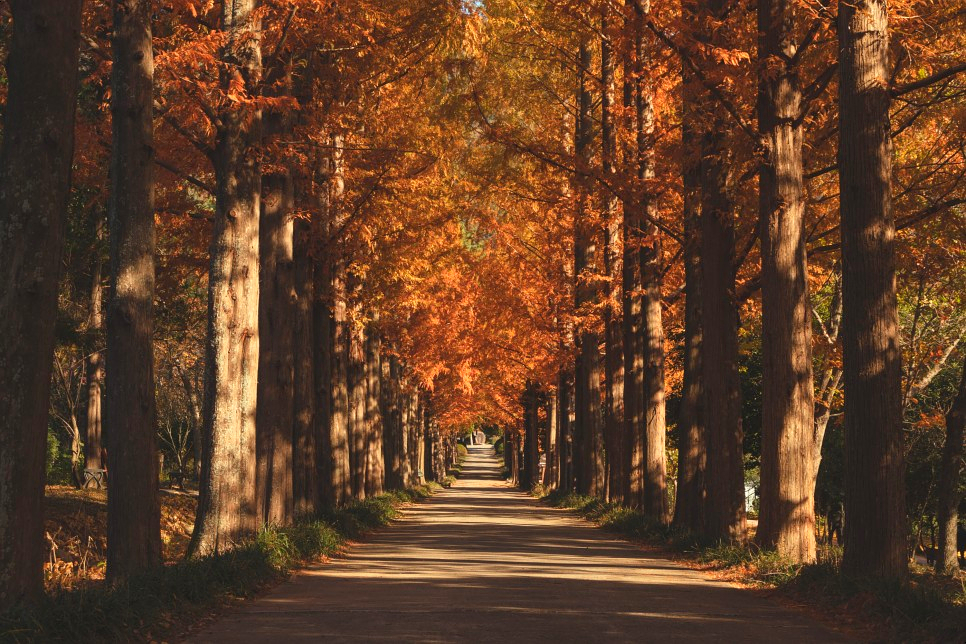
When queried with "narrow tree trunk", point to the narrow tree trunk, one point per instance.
{"points": [[357, 409], [950, 481], [551, 446], [654, 501], [133, 508], [875, 526], [531, 458], [394, 423], [94, 371], [305, 457], [35, 162], [633, 289], [588, 454], [787, 515], [226, 502], [375, 423], [692, 438], [274, 420], [613, 357], [565, 472]]}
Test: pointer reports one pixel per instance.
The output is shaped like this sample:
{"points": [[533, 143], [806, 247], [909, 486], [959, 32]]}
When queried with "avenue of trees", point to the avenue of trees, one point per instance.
{"points": [[289, 250]]}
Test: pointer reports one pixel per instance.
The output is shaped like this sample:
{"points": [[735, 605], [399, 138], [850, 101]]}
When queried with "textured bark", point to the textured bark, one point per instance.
{"points": [[531, 454], [787, 514], [725, 516], [94, 372], [565, 472], [358, 432], [133, 508], [613, 351], [692, 437], [226, 502], [375, 465], [305, 458], [654, 499], [588, 452], [551, 446], [274, 420], [875, 526], [633, 287], [393, 422], [35, 162], [950, 480]]}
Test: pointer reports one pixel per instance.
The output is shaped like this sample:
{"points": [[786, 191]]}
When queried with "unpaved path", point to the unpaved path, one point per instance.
{"points": [[482, 562]]}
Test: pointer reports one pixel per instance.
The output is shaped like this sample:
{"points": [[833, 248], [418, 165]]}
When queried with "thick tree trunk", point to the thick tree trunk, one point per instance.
{"points": [[305, 457], [950, 482], [725, 516], [35, 162], [551, 446], [531, 452], [588, 452], [692, 439], [133, 508], [875, 526], [613, 356], [654, 499], [565, 471], [375, 423], [787, 514], [274, 420], [393, 420], [226, 503]]}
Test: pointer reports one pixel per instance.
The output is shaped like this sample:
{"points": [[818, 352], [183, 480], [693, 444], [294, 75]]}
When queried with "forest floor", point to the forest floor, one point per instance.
{"points": [[75, 524], [484, 562]]}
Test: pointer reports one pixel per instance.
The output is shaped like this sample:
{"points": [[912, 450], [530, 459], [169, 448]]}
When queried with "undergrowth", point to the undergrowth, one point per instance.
{"points": [[926, 607], [148, 607]]}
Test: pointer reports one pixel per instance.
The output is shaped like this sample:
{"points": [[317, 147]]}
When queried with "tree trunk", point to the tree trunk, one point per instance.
{"points": [[613, 356], [588, 454], [531, 454], [133, 508], [654, 501], [551, 445], [94, 371], [633, 288], [787, 514], [692, 438], [725, 517], [226, 502], [357, 407], [375, 423], [875, 526], [565, 471], [35, 163], [394, 423], [305, 457], [274, 419], [950, 482]]}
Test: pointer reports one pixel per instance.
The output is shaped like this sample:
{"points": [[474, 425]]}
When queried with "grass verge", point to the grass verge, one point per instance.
{"points": [[925, 608], [165, 602]]}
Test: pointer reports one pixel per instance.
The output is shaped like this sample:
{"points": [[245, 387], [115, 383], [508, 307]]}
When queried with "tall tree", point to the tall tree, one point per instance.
{"points": [[305, 457], [375, 423], [787, 514], [133, 508], [226, 503], [725, 516], [875, 532], [35, 173], [274, 422]]}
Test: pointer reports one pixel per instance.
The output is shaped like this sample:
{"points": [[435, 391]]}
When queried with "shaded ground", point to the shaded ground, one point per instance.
{"points": [[483, 562]]}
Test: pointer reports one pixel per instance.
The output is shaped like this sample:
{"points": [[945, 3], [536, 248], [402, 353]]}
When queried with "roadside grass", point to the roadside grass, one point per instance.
{"points": [[925, 608], [163, 603]]}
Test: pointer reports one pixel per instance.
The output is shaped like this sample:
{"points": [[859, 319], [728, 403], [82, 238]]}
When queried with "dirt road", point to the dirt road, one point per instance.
{"points": [[482, 562]]}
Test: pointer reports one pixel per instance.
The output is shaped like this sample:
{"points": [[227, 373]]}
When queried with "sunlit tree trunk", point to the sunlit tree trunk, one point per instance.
{"points": [[35, 162], [276, 373], [133, 508], [375, 423], [787, 514], [94, 369], [875, 525], [950, 481], [552, 447], [226, 502], [358, 433], [565, 472]]}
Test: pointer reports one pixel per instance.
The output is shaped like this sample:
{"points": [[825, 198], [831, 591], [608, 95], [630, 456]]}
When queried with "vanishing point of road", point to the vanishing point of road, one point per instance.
{"points": [[483, 562]]}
